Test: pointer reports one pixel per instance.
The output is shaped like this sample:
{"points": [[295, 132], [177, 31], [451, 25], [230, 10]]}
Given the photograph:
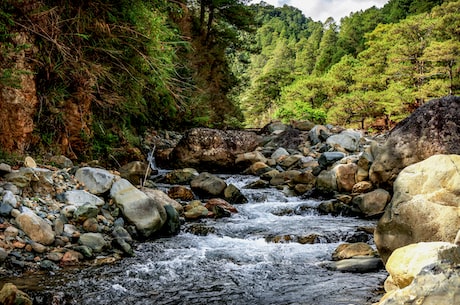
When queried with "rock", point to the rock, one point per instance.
{"points": [[162, 199], [5, 169], [233, 195], [195, 210], [85, 211], [425, 205], [181, 193], [326, 181], [3, 255], [246, 159], [258, 169], [91, 225], [328, 158], [318, 134], [345, 176], [10, 199], [11, 295], [372, 203], [37, 247], [181, 176], [35, 227], [208, 185], [96, 181], [95, 241], [221, 203], [436, 284], [123, 240], [334, 207], [284, 177], [289, 161], [21, 178], [144, 212], [345, 251], [61, 161], [357, 265], [172, 224], [80, 197], [71, 258], [5, 209], [347, 139], [364, 164], [133, 171], [431, 129], [280, 152], [213, 150], [362, 187], [406, 262], [303, 125], [11, 232], [30, 162]]}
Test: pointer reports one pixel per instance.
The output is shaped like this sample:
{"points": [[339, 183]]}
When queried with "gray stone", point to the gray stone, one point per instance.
{"points": [[172, 224], [330, 157], [61, 161], [318, 134], [95, 180], [327, 181], [372, 203], [347, 139], [208, 185], [85, 211], [357, 265], [21, 178], [95, 241], [5, 209], [233, 195], [81, 197], [181, 176], [145, 213], [280, 152], [9, 198]]}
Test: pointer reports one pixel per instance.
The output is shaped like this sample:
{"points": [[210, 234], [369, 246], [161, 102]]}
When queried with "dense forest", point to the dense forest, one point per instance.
{"points": [[105, 72]]}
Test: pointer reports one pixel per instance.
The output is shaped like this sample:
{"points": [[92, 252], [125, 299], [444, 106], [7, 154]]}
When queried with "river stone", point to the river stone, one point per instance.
{"points": [[280, 152], [327, 181], [213, 150], [195, 210], [364, 164], [406, 262], [249, 158], [96, 181], [91, 225], [347, 250], [85, 211], [330, 157], [284, 177], [372, 203], [95, 241], [3, 255], [5, 209], [11, 295], [133, 171], [221, 203], [425, 205], [347, 139], [345, 176], [181, 176], [81, 197], [172, 224], [318, 134], [181, 192], [5, 169], [431, 129], [35, 227], [10, 199], [289, 161], [357, 265], [303, 125], [21, 178], [258, 169], [208, 185], [362, 187], [144, 212], [233, 195], [334, 207], [436, 284], [162, 199]]}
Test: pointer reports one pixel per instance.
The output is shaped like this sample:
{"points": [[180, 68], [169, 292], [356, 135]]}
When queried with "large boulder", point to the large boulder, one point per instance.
{"points": [[432, 129], [425, 205], [213, 150], [145, 213], [346, 140], [208, 185], [96, 180], [423, 273]]}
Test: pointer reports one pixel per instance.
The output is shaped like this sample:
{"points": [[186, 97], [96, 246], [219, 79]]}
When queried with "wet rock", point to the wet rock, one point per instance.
{"points": [[181, 176], [123, 240], [95, 241], [48, 265], [172, 224], [96, 181], [431, 129], [425, 207], [284, 177], [258, 184], [213, 150], [145, 213], [208, 185], [233, 195], [211, 203], [326, 181], [195, 210], [334, 207], [133, 171], [309, 239], [346, 251], [357, 265], [258, 169], [11, 295], [181, 193], [372, 203], [35, 227]]}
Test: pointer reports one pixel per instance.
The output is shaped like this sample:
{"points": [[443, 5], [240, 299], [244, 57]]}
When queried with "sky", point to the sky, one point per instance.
{"points": [[320, 10]]}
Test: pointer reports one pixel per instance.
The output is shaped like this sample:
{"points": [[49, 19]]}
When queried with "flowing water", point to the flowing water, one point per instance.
{"points": [[239, 262]]}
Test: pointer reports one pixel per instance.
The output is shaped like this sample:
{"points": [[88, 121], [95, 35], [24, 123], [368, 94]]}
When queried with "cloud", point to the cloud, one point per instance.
{"points": [[320, 10]]}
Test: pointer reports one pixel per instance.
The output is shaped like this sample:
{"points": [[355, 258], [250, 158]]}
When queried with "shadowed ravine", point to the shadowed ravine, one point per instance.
{"points": [[233, 265]]}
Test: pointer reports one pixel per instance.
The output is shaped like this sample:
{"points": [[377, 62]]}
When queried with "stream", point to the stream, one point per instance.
{"points": [[256, 256]]}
